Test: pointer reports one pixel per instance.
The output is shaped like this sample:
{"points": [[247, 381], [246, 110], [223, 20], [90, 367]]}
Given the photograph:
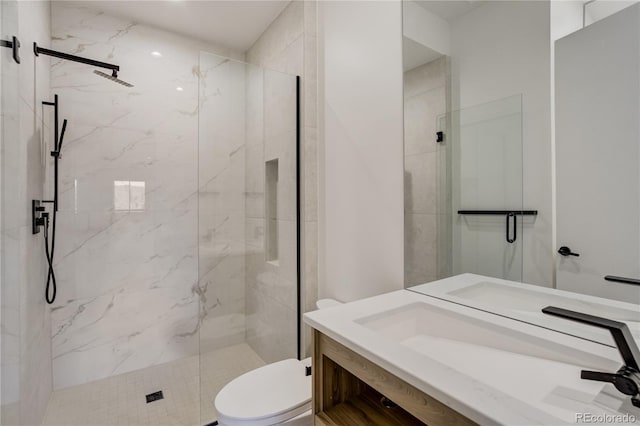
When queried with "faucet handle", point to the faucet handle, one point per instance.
{"points": [[619, 331], [625, 380], [598, 376]]}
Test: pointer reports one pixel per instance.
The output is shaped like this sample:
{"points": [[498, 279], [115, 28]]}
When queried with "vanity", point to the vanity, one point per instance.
{"points": [[406, 358], [350, 389], [480, 197]]}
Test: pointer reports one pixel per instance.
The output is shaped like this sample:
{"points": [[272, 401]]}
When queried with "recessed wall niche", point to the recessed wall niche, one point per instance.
{"points": [[271, 199]]}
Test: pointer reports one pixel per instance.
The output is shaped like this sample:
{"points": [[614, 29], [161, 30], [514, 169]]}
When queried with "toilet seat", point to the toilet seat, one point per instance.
{"points": [[266, 396]]}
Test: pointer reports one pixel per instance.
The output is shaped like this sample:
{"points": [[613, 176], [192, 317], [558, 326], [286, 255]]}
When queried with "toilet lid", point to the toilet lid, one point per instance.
{"points": [[280, 390]]}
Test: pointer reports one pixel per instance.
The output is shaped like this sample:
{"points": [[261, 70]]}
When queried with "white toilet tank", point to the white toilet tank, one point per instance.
{"points": [[327, 303]]}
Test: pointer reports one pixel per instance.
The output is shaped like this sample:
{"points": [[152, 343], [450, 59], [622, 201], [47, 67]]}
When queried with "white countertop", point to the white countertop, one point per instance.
{"points": [[487, 385]]}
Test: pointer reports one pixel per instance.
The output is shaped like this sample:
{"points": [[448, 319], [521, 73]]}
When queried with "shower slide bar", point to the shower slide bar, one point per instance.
{"points": [[39, 216], [13, 44], [510, 215]]}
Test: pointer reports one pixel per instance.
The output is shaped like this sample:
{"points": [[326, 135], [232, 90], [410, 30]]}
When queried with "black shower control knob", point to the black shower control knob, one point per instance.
{"points": [[566, 251]]}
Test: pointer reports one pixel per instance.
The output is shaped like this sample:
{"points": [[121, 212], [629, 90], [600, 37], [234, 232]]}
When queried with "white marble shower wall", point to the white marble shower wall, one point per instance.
{"points": [[424, 107], [26, 134], [223, 106], [271, 281], [247, 118], [127, 248], [288, 46]]}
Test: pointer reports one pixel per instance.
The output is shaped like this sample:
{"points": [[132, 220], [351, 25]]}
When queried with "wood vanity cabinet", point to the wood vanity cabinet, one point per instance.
{"points": [[350, 390]]}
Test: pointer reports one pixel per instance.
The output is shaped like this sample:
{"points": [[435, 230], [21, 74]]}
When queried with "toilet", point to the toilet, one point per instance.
{"points": [[278, 393]]}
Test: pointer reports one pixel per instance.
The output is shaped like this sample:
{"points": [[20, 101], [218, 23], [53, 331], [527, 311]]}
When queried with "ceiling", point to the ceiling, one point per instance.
{"points": [[449, 10], [234, 24]]}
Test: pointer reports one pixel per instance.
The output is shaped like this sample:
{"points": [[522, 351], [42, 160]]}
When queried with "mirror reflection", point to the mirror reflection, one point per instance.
{"points": [[522, 185]]}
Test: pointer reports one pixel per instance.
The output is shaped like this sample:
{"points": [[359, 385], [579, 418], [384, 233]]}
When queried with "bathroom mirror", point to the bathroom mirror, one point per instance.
{"points": [[528, 192]]}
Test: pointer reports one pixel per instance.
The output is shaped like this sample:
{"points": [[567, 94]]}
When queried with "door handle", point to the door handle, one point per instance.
{"points": [[566, 251]]}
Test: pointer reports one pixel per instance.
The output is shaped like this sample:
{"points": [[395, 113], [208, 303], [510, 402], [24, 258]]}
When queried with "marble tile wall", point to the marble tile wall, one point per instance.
{"points": [[271, 284], [10, 233], [287, 46], [128, 294], [222, 164], [26, 342], [424, 107]]}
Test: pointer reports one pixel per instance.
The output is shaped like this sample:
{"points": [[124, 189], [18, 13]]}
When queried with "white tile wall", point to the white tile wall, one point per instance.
{"points": [[128, 280], [11, 225], [288, 46], [26, 372], [222, 165], [424, 103]]}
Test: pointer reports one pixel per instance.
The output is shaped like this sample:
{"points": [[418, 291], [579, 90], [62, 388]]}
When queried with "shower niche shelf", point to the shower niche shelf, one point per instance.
{"points": [[271, 207]]}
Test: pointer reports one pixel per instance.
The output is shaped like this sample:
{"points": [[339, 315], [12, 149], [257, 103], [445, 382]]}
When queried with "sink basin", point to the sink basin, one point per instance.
{"points": [[496, 355]]}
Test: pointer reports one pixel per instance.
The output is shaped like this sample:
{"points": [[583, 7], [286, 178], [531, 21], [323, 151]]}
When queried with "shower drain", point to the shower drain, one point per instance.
{"points": [[155, 396]]}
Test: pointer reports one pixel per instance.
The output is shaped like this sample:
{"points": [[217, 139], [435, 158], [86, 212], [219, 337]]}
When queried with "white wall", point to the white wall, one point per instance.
{"points": [[361, 153], [425, 28], [566, 17], [26, 342], [598, 10], [598, 176], [501, 49]]}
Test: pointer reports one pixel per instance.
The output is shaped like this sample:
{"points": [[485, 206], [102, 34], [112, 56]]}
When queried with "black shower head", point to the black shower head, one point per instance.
{"points": [[37, 50], [113, 77], [64, 129]]}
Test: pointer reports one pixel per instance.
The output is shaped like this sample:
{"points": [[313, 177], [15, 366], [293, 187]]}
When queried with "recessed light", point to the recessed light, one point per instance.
{"points": [[156, 54], [179, 89]]}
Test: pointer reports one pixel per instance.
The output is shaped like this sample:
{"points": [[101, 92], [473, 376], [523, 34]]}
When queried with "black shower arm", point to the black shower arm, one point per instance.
{"points": [[41, 50]]}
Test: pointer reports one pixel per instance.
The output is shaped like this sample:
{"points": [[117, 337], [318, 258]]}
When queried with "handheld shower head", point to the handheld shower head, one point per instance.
{"points": [[113, 77], [64, 129]]}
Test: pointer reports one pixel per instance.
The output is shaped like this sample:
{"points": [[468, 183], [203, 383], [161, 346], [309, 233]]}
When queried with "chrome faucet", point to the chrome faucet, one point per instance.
{"points": [[627, 378]]}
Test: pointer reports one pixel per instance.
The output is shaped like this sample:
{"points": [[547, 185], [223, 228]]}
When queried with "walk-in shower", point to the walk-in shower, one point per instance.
{"points": [[175, 209]]}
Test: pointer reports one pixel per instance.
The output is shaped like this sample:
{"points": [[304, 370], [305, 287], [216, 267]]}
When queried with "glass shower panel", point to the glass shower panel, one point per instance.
{"points": [[247, 222], [486, 189], [14, 231]]}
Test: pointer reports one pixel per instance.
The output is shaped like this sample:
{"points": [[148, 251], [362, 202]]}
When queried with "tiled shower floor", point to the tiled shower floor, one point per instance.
{"points": [[120, 400]]}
